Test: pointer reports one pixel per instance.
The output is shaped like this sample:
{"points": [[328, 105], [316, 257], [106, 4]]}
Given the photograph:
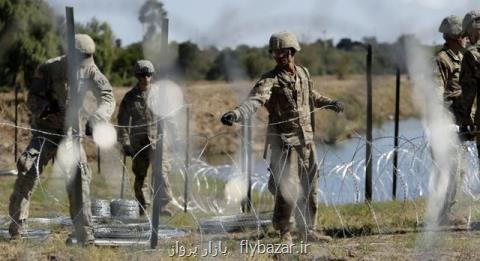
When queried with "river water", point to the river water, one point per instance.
{"points": [[342, 166]]}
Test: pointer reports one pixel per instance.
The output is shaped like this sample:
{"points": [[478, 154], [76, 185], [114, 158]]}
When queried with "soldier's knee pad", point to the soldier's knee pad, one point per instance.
{"points": [[166, 166], [26, 162]]}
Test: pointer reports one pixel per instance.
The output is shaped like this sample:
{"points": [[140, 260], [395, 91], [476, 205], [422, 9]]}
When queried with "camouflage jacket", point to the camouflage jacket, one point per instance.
{"points": [[448, 73], [48, 94], [470, 82], [137, 123], [288, 99], [135, 120]]}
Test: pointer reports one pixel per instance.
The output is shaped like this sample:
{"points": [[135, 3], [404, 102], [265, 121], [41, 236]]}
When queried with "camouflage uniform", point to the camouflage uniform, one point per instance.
{"points": [[48, 100], [288, 95], [135, 116], [470, 75], [470, 82], [289, 100], [447, 76]]}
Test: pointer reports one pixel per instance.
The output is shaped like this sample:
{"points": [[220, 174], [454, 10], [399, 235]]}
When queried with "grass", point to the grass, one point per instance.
{"points": [[382, 230]]}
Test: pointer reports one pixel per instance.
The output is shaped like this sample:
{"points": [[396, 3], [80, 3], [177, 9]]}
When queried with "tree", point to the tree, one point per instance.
{"points": [[105, 45], [226, 66], [256, 61], [122, 66], [152, 16], [342, 67], [27, 38], [192, 62], [345, 44]]}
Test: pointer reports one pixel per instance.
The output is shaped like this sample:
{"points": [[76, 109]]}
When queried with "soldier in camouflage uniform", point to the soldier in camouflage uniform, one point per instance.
{"points": [[448, 61], [48, 101], [134, 115], [470, 75], [288, 94], [447, 70]]}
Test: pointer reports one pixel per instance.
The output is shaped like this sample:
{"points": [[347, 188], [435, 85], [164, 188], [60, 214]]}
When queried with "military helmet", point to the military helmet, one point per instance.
{"points": [[84, 43], [451, 26], [283, 40], [143, 66], [471, 21]]}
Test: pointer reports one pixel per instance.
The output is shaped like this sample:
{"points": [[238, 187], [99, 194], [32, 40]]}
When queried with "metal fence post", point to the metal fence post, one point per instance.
{"points": [[368, 159], [157, 167], [187, 158], [395, 152]]}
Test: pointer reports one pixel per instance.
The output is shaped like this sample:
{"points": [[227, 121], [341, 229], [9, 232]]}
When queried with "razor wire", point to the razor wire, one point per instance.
{"points": [[345, 177]]}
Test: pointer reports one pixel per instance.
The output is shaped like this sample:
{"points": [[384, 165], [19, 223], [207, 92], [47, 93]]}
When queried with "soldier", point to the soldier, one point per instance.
{"points": [[448, 61], [48, 100], [134, 115], [470, 75], [288, 94]]}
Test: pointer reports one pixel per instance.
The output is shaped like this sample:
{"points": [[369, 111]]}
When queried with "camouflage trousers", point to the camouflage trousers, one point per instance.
{"points": [[457, 173], [39, 151], [293, 182], [143, 191]]}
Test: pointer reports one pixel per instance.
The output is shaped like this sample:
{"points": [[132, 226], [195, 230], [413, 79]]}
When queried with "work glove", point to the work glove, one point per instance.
{"points": [[229, 118], [465, 134], [88, 129], [128, 151], [338, 106]]}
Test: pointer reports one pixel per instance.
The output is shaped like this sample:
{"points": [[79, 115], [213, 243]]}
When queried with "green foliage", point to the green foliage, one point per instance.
{"points": [[27, 38], [104, 38], [342, 67], [192, 62], [123, 64], [256, 61], [226, 66]]}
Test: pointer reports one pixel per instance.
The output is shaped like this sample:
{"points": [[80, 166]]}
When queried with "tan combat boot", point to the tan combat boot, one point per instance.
{"points": [[286, 238], [164, 211], [313, 236], [17, 230]]}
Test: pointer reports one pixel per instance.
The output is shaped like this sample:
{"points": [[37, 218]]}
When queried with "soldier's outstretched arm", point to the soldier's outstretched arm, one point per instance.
{"points": [[469, 84], [104, 94], [321, 101], [258, 96]]}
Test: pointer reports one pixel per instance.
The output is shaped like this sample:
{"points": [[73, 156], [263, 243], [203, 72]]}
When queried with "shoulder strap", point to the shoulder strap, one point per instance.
{"points": [[310, 98], [306, 71]]}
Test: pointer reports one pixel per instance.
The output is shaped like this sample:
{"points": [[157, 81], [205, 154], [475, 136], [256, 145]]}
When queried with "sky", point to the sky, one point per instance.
{"points": [[224, 23]]}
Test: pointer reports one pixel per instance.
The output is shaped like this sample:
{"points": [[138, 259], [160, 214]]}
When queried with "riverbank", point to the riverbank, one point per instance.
{"points": [[330, 127], [209, 100]]}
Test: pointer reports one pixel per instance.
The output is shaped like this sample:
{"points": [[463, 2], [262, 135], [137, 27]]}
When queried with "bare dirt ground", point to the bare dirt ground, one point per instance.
{"points": [[446, 245]]}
